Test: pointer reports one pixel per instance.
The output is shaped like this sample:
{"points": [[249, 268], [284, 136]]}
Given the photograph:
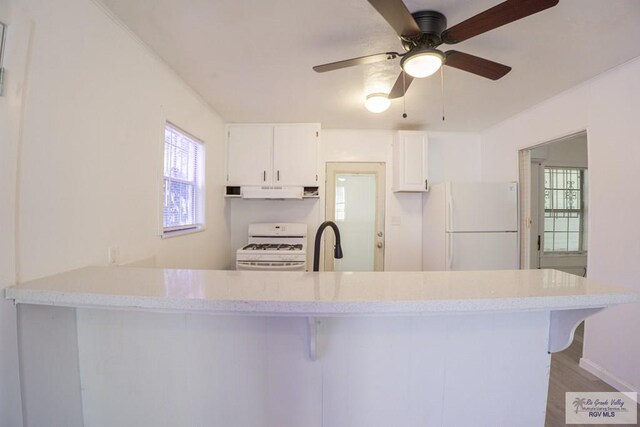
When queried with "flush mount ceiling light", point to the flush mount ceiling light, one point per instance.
{"points": [[377, 102], [422, 63]]}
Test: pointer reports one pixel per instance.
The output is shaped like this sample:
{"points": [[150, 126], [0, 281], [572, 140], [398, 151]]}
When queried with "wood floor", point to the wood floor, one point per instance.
{"points": [[565, 376]]}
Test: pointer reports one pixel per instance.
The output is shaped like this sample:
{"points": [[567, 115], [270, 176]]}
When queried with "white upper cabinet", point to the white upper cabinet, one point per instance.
{"points": [[273, 155], [410, 162], [249, 155], [295, 155]]}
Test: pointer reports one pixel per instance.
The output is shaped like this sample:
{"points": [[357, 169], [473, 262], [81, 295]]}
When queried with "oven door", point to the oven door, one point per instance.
{"points": [[271, 265]]}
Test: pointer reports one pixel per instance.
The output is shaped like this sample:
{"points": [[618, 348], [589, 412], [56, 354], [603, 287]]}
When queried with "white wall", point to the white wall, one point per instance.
{"points": [[81, 128], [607, 107], [570, 152], [10, 112], [91, 152], [454, 157]]}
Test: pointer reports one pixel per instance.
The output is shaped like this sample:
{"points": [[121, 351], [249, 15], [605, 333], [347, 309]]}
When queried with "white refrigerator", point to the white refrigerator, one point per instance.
{"points": [[470, 226]]}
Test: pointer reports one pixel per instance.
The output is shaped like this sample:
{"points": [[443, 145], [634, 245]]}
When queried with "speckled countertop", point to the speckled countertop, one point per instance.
{"points": [[318, 294]]}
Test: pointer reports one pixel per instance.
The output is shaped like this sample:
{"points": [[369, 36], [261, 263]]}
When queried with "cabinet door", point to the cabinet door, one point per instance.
{"points": [[295, 155], [410, 162], [249, 155]]}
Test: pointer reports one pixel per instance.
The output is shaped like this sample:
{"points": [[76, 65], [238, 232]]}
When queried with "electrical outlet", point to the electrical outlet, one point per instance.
{"points": [[114, 255]]}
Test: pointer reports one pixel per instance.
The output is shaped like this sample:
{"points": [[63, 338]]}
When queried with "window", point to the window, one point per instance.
{"points": [[564, 209], [183, 182]]}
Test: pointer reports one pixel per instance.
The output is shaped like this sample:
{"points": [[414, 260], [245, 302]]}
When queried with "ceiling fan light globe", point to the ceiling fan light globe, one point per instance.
{"points": [[377, 102], [422, 63]]}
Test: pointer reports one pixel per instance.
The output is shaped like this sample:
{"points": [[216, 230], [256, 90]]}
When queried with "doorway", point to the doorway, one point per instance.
{"points": [[355, 201], [555, 210]]}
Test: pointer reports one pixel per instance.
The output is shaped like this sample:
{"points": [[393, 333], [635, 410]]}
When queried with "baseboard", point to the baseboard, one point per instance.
{"points": [[606, 376]]}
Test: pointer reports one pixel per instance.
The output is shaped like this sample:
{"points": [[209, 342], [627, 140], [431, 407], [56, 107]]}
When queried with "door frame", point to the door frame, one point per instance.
{"points": [[379, 170], [536, 213], [525, 166]]}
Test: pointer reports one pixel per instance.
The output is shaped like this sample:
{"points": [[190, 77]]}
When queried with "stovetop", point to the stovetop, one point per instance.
{"points": [[275, 243], [272, 246]]}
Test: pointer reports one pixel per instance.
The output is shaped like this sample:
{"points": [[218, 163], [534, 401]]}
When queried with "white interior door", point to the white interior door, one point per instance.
{"points": [[355, 202], [482, 251]]}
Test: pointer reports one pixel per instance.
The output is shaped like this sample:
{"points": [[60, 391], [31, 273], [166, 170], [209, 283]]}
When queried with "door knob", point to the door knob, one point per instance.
{"points": [[379, 245]]}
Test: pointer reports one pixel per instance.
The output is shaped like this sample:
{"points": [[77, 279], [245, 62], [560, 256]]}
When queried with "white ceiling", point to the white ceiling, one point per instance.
{"points": [[251, 60]]}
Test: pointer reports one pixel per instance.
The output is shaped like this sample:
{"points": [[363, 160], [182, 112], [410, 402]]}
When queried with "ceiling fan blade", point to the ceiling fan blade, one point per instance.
{"points": [[355, 61], [497, 16], [397, 15], [476, 65], [400, 86]]}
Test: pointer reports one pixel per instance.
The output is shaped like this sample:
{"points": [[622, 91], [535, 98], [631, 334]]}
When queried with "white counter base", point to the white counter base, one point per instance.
{"points": [[160, 369], [145, 347]]}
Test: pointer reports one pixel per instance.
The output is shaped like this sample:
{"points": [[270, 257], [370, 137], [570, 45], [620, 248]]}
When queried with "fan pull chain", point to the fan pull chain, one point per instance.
{"points": [[404, 94], [442, 89]]}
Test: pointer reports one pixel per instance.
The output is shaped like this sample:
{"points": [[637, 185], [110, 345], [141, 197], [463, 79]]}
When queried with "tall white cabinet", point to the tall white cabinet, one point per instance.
{"points": [[273, 154], [410, 162]]}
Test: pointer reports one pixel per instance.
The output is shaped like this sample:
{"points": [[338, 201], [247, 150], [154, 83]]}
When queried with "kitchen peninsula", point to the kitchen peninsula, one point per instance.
{"points": [[137, 346]]}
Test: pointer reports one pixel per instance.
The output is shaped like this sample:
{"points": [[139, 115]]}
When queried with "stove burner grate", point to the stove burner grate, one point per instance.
{"points": [[273, 246]]}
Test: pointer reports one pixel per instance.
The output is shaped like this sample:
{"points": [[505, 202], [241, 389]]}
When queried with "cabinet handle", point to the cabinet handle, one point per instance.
{"points": [[278, 177], [426, 184], [264, 176]]}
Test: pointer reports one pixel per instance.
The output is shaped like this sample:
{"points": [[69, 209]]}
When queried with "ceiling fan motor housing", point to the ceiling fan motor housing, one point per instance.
{"points": [[431, 24]]}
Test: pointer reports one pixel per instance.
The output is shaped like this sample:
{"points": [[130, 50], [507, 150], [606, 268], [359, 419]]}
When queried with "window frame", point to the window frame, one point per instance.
{"points": [[198, 183], [581, 211], [3, 38], [3, 42]]}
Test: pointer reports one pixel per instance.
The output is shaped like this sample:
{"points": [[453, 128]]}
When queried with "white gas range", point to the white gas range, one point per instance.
{"points": [[274, 246]]}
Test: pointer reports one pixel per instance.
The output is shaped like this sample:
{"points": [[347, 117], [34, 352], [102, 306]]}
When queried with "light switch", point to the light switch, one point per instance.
{"points": [[114, 255]]}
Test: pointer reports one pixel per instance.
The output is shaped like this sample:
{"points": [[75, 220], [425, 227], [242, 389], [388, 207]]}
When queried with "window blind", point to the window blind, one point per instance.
{"points": [[182, 183]]}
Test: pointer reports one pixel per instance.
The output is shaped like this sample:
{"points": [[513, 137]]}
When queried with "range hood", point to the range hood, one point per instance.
{"points": [[256, 192]]}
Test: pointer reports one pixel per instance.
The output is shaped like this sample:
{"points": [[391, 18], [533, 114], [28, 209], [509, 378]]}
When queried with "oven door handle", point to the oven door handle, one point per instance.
{"points": [[268, 266]]}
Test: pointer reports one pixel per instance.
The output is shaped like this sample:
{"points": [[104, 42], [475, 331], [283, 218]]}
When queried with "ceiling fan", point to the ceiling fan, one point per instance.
{"points": [[422, 32]]}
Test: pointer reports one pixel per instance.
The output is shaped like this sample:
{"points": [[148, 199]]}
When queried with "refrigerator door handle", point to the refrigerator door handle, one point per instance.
{"points": [[449, 251], [449, 224]]}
